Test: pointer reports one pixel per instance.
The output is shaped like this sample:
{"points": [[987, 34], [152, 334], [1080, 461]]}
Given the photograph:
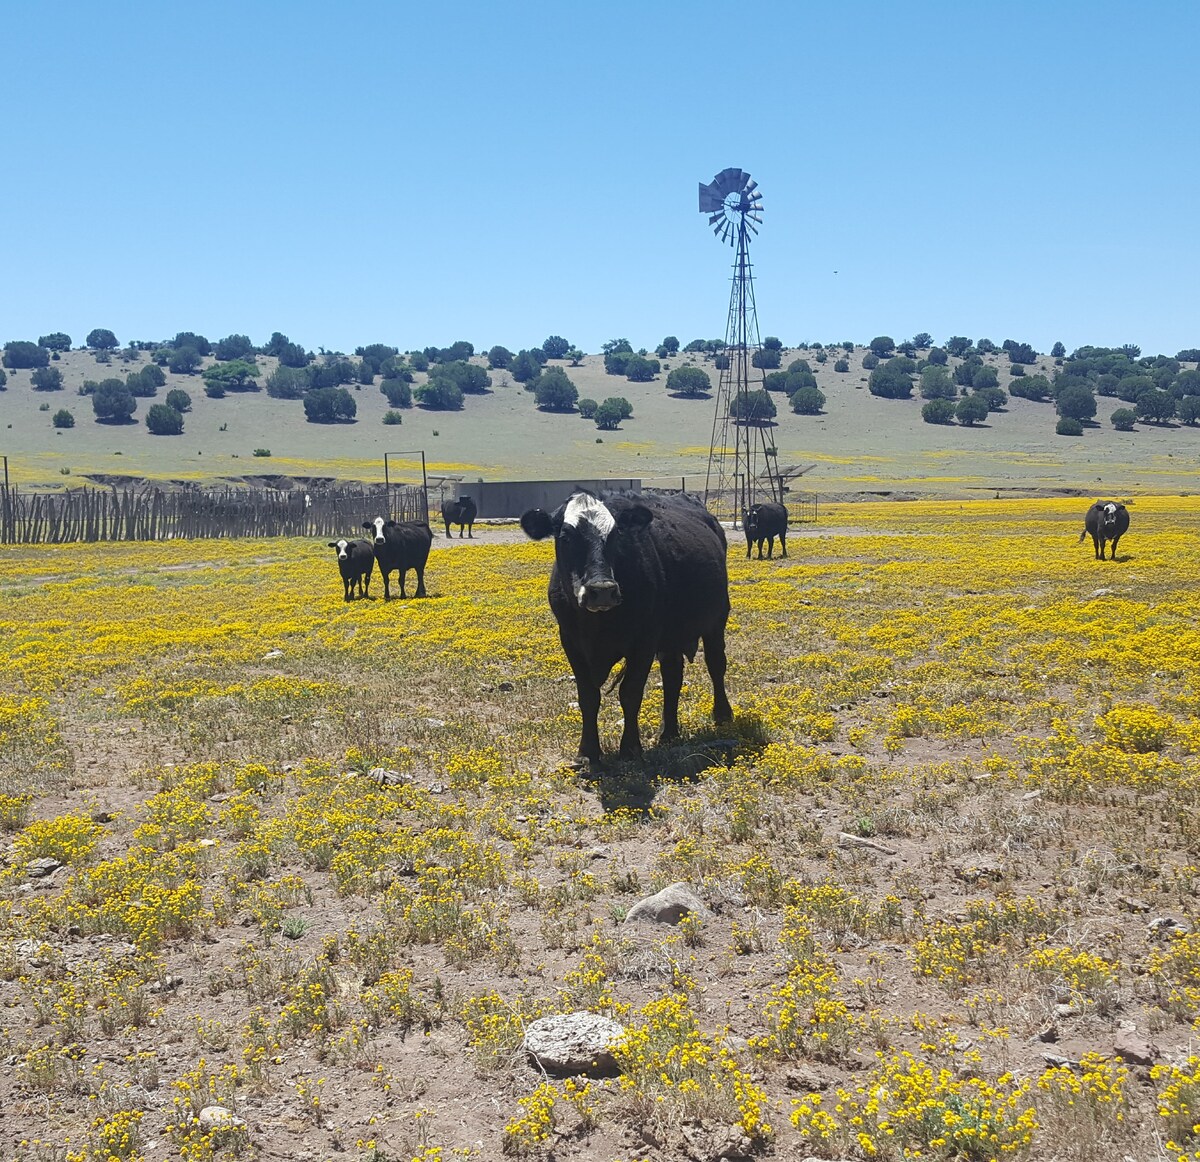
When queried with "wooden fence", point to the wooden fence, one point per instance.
{"points": [[152, 514]]}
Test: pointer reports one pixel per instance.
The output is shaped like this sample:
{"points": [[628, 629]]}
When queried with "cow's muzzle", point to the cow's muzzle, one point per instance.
{"points": [[598, 596]]}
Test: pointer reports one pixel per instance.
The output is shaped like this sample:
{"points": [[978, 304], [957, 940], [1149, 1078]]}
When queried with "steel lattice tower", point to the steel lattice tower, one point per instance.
{"points": [[742, 468]]}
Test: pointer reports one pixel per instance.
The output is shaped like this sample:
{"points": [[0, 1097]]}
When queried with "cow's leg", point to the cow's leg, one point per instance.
{"points": [[387, 583], [471, 531], [348, 586], [783, 544], [1096, 547], [1114, 546], [421, 580], [447, 530], [749, 547], [671, 668], [633, 690], [770, 548], [714, 659], [587, 693]]}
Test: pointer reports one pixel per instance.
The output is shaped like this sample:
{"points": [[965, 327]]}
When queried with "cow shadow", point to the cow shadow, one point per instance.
{"points": [[633, 784]]}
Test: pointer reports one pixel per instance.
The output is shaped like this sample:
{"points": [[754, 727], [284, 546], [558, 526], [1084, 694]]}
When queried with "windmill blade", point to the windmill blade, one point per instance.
{"points": [[712, 218], [751, 186], [729, 180], [710, 198]]}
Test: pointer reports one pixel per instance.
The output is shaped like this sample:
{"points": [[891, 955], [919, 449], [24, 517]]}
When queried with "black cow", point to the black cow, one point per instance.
{"points": [[765, 522], [636, 577], [1106, 520], [356, 562], [461, 512], [400, 546]]}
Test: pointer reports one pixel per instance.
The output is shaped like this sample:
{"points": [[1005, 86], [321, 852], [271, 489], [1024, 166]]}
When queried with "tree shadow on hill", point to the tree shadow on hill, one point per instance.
{"points": [[632, 785], [690, 394]]}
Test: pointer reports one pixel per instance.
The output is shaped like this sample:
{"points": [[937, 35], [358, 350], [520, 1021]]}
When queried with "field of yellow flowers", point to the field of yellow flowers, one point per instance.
{"points": [[950, 852]]}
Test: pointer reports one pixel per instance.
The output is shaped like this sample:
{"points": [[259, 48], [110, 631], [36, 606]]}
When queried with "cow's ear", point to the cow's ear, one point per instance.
{"points": [[333, 544], [368, 524], [389, 524], [636, 516], [537, 524]]}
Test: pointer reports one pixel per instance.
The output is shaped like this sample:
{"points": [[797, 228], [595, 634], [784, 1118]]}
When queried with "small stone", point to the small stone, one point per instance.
{"points": [[1165, 927], [577, 1042], [388, 778], [1047, 1033], [435, 722], [668, 906], [206, 843], [1134, 1049], [37, 868], [804, 1080], [219, 1120], [1066, 1011], [980, 867], [1133, 904], [266, 658], [1059, 1062], [506, 687]]}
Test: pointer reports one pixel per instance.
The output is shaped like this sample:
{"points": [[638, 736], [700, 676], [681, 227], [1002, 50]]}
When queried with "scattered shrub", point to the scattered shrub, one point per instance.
{"points": [[870, 361], [164, 421], [553, 391], [842, 365], [47, 379], [63, 419], [392, 418], [260, 451], [587, 408], [1068, 427], [689, 381], [807, 401], [971, 409], [1123, 419], [938, 411]]}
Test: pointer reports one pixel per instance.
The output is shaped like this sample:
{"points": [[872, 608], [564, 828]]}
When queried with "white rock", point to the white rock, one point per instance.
{"points": [[577, 1042], [668, 906]]}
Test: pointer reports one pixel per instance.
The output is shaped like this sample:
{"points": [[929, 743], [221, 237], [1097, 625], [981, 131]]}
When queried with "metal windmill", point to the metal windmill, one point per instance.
{"points": [[741, 459]]}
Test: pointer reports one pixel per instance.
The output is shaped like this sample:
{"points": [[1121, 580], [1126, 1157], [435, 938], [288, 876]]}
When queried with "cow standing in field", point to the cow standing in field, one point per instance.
{"points": [[765, 522], [636, 577], [461, 512], [356, 562], [400, 546], [1105, 521]]}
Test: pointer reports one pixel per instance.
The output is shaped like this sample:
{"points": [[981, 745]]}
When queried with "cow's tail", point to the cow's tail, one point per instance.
{"points": [[616, 678], [1082, 535]]}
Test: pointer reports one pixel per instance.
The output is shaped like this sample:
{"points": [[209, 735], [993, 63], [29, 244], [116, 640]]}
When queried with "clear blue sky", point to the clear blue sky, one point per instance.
{"points": [[416, 173]]}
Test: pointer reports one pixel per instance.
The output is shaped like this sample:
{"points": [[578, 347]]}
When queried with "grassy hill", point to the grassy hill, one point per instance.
{"points": [[861, 444]]}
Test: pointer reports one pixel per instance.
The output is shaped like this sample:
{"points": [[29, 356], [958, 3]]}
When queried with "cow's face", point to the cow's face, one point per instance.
{"points": [[1109, 520], [750, 519], [586, 538], [376, 525], [343, 549]]}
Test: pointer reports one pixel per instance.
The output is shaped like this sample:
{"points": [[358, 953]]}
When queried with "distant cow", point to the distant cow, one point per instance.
{"points": [[765, 522], [400, 546], [356, 562], [1106, 520], [461, 512], [636, 577]]}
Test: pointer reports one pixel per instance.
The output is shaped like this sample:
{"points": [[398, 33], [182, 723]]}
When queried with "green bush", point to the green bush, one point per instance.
{"points": [[938, 411], [164, 421], [553, 391], [807, 401], [1075, 403], [63, 419], [1188, 409], [870, 361], [771, 343], [1034, 387], [288, 382], [891, 380], [985, 376], [392, 418], [102, 339], [499, 358], [399, 394], [1156, 406], [183, 360], [587, 408], [56, 341], [994, 397], [139, 386], [113, 402], [47, 379], [179, 400], [262, 451], [766, 358], [882, 345], [689, 381], [1068, 427], [330, 405], [842, 365], [937, 384], [753, 407], [611, 412], [638, 369], [971, 409], [439, 394], [21, 354], [1123, 419]]}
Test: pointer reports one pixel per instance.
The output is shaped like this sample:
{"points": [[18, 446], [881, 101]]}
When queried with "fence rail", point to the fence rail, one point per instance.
{"points": [[152, 514]]}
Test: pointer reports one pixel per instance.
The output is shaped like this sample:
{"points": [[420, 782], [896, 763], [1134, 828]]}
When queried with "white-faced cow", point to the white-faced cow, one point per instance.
{"points": [[636, 577], [400, 546], [356, 562], [765, 522], [461, 512], [1106, 520]]}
